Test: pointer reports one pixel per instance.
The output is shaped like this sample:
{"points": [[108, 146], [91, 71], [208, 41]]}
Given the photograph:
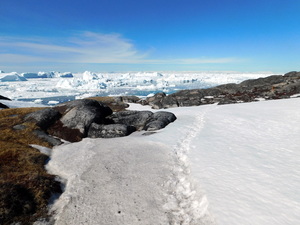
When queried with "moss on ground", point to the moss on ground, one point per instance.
{"points": [[25, 185]]}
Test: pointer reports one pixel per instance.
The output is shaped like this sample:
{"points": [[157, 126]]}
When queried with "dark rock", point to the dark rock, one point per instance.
{"points": [[77, 116], [4, 98], [117, 104], [81, 118], [266, 81], [159, 120], [225, 101], [19, 127], [164, 116], [161, 100], [110, 130], [272, 87], [51, 140], [228, 87], [155, 125], [3, 106], [188, 97], [148, 133], [292, 74], [44, 118], [102, 109], [138, 119], [130, 99], [59, 130]]}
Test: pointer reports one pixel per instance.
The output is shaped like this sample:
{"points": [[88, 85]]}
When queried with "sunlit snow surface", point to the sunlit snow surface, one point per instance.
{"points": [[55, 86], [247, 158], [232, 165], [229, 165]]}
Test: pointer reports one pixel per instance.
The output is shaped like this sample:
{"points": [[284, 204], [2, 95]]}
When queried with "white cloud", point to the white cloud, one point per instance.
{"points": [[195, 61], [86, 47]]}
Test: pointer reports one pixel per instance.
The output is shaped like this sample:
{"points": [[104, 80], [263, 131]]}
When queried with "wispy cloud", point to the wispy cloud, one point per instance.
{"points": [[188, 61], [85, 47]]}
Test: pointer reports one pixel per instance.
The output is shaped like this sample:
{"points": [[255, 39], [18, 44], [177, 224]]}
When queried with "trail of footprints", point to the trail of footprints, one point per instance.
{"points": [[183, 205]]}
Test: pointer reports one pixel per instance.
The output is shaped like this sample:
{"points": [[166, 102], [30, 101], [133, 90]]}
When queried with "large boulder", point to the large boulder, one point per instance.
{"points": [[77, 116], [144, 120], [110, 130], [100, 107], [115, 103], [159, 120], [44, 118], [138, 119], [81, 118]]}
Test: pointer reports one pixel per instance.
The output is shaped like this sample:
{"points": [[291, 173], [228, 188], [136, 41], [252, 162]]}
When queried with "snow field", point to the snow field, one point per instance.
{"points": [[247, 160], [186, 207], [231, 164]]}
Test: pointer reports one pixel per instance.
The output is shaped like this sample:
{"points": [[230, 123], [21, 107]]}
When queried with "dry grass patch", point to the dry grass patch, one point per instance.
{"points": [[25, 186]]}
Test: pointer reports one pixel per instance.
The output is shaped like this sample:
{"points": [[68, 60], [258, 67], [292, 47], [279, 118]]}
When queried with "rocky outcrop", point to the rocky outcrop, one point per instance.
{"points": [[159, 120], [272, 87], [78, 119], [118, 103], [110, 130], [44, 118], [138, 119], [48, 138], [144, 120]]}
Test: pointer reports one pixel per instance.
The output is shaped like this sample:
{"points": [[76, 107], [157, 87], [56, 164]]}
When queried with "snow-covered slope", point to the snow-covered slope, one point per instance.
{"points": [[247, 159], [229, 165]]}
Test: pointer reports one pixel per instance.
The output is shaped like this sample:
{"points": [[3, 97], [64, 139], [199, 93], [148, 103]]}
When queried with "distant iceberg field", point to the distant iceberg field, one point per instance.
{"points": [[55, 86]]}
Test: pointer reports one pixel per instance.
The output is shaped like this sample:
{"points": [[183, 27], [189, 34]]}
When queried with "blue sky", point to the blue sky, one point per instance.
{"points": [[155, 35]]}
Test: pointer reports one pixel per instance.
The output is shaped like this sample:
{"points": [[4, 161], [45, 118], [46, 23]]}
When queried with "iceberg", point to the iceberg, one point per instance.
{"points": [[10, 77], [66, 74]]}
